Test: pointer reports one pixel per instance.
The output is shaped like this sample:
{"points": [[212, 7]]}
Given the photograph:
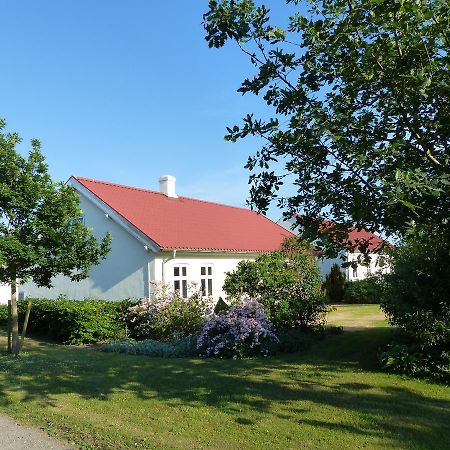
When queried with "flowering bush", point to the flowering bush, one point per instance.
{"points": [[287, 283], [166, 315], [244, 330]]}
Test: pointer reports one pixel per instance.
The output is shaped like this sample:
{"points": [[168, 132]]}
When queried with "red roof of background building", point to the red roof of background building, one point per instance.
{"points": [[188, 224], [356, 238]]}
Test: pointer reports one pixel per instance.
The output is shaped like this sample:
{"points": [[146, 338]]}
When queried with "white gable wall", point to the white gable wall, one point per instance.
{"points": [[124, 274]]}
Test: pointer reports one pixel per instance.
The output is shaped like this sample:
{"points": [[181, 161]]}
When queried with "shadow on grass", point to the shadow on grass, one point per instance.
{"points": [[285, 386]]}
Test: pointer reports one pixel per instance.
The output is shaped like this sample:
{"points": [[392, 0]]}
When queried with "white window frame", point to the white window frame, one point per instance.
{"points": [[180, 274], [79, 219], [207, 280]]}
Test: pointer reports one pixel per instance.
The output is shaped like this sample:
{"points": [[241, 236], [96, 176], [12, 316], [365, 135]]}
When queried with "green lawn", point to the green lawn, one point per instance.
{"points": [[332, 396]]}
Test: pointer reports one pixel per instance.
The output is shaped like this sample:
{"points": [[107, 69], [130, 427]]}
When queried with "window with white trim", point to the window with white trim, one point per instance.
{"points": [[206, 280], [79, 219], [180, 280]]}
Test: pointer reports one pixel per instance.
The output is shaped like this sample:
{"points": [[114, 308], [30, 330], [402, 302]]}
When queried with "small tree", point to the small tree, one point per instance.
{"points": [[335, 284], [39, 237], [287, 282]]}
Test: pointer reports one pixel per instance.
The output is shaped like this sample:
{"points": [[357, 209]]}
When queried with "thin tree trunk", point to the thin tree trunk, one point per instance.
{"points": [[15, 343], [25, 324], [9, 326]]}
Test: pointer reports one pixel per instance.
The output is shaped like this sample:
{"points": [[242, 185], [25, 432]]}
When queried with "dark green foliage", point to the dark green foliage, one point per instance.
{"points": [[3, 314], [292, 341], [363, 291], [360, 97], [174, 349], [335, 284], [416, 295], [221, 306], [75, 321], [409, 360], [289, 286]]}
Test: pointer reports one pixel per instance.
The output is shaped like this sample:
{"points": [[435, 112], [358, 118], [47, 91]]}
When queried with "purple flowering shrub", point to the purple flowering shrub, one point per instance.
{"points": [[244, 330], [166, 315]]}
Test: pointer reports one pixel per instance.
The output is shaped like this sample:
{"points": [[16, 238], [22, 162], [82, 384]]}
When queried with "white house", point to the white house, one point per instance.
{"points": [[160, 236], [5, 293], [359, 270]]}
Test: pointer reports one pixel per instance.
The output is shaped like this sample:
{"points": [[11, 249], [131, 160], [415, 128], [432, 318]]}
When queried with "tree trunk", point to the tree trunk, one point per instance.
{"points": [[15, 344]]}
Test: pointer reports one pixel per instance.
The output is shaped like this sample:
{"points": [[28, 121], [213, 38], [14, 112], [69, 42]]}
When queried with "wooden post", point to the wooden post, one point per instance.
{"points": [[15, 343], [25, 324], [9, 326]]}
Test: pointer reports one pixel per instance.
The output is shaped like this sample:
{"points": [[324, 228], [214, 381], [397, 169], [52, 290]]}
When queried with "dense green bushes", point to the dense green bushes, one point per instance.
{"points": [[287, 283], [3, 314], [75, 321], [363, 291], [416, 299]]}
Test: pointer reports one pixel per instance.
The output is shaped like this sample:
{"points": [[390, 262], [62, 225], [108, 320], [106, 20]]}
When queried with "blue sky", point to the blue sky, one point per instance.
{"points": [[127, 91]]}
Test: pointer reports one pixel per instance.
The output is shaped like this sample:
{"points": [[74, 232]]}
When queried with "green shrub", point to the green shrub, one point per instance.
{"points": [[409, 360], [3, 314], [287, 283], [416, 297], [167, 315], [335, 284], [292, 341], [175, 349], [363, 291], [75, 321]]}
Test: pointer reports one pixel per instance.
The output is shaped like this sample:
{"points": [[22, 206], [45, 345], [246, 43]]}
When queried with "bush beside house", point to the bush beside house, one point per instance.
{"points": [[287, 283], [76, 321]]}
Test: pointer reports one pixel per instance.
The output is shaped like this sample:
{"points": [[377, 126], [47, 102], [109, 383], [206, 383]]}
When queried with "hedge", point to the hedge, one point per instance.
{"points": [[75, 321], [362, 291], [3, 314]]}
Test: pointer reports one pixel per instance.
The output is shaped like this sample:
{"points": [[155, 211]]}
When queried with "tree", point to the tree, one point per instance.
{"points": [[287, 282], [39, 234], [360, 94], [335, 284]]}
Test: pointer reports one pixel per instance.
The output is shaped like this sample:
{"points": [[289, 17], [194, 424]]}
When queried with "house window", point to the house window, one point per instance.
{"points": [[180, 280], [206, 280], [79, 219], [355, 272]]}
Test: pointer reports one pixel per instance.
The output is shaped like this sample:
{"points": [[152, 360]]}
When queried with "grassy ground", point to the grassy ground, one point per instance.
{"points": [[357, 317], [332, 396]]}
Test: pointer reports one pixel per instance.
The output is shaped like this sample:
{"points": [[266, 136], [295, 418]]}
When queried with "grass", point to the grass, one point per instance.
{"points": [[332, 396], [357, 317]]}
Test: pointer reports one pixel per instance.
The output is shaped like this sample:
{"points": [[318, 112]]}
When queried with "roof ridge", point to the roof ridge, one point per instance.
{"points": [[133, 188]]}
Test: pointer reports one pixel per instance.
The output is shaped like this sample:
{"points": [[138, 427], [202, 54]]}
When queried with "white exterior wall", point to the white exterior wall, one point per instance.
{"points": [[124, 274], [376, 265], [5, 293], [222, 263]]}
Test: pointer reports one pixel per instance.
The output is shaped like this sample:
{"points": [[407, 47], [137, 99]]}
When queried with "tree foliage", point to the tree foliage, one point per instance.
{"points": [[360, 94], [39, 236], [417, 291], [288, 285]]}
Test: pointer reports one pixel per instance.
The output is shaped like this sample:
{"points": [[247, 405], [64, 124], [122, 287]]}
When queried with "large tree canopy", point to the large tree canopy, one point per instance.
{"points": [[360, 94], [39, 234]]}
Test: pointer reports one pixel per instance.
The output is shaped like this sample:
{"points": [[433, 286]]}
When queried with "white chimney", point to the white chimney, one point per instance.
{"points": [[167, 186]]}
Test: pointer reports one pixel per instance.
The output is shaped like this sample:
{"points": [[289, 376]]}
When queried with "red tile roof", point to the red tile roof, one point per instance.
{"points": [[187, 224], [357, 237]]}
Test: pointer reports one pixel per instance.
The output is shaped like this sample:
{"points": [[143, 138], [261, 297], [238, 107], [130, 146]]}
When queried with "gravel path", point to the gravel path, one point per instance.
{"points": [[17, 437]]}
